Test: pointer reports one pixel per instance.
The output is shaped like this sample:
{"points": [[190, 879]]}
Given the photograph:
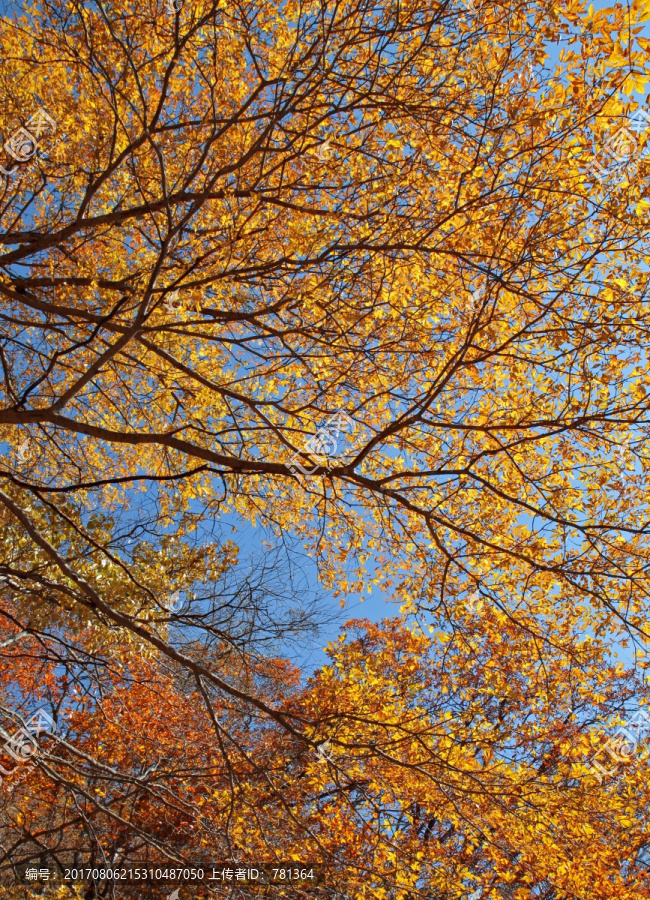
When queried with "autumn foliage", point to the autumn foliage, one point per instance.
{"points": [[244, 219]]}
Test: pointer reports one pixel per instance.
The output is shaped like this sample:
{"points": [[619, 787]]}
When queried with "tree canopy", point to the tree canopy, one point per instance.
{"points": [[356, 273]]}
